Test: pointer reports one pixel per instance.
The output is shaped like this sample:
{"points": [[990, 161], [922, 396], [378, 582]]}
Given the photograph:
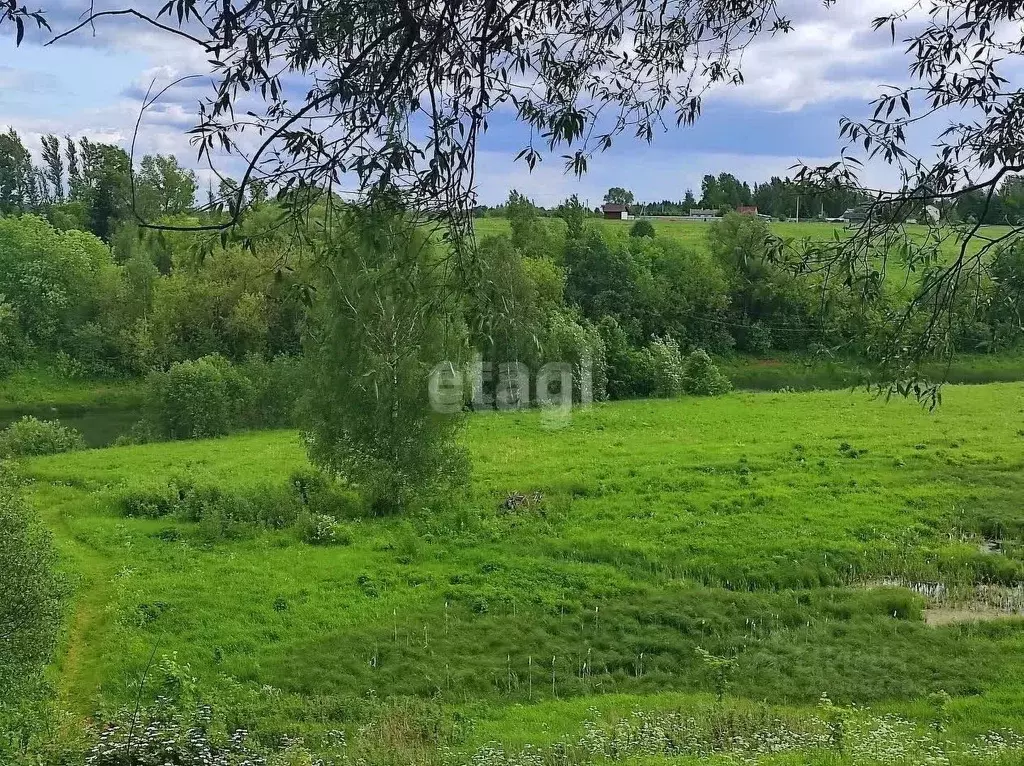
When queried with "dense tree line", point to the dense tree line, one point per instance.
{"points": [[780, 198], [777, 197], [144, 300], [84, 285], [89, 185], [785, 198]]}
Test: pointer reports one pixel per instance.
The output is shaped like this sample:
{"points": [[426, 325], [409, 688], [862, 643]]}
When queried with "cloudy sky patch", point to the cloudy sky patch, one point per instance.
{"points": [[797, 87]]}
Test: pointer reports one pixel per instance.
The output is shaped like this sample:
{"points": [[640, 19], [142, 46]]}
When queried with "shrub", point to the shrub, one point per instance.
{"points": [[164, 736], [197, 399], [321, 494], [11, 345], [701, 377], [758, 338], [570, 339], [630, 372], [642, 228], [667, 366], [273, 388], [221, 512], [29, 436], [310, 500], [1006, 305], [29, 611], [321, 529]]}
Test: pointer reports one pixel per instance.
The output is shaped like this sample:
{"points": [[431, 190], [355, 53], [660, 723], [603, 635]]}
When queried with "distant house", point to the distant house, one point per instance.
{"points": [[747, 210], [615, 211], [856, 214], [696, 214]]}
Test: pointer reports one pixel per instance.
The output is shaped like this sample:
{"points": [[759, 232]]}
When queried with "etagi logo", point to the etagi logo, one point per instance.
{"points": [[510, 386]]}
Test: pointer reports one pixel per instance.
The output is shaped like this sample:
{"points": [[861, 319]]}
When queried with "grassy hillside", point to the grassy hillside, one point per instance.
{"points": [[779, 529]]}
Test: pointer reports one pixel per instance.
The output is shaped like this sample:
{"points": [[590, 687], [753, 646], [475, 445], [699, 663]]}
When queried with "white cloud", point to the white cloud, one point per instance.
{"points": [[831, 54]]}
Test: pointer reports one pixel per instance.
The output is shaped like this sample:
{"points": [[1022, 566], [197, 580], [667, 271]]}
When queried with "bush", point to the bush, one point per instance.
{"points": [[164, 735], [197, 399], [29, 612], [321, 529], [212, 397], [29, 437], [701, 377], [11, 345], [321, 494], [222, 513], [182, 732], [1007, 296], [667, 366], [572, 340], [310, 501], [642, 228], [273, 388], [630, 372]]}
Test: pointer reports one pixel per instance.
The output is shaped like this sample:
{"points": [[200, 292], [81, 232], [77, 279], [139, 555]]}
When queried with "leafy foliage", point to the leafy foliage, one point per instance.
{"points": [[701, 377], [165, 735], [374, 71], [1006, 310], [383, 319], [55, 281], [29, 436], [619, 196], [30, 614], [309, 503], [642, 228], [196, 399], [667, 366], [961, 76]]}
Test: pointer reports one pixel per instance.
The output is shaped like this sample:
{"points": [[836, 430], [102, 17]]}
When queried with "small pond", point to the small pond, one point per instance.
{"points": [[100, 426]]}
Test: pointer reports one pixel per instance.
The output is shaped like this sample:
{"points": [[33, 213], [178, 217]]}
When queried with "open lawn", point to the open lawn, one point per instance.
{"points": [[792, 532]]}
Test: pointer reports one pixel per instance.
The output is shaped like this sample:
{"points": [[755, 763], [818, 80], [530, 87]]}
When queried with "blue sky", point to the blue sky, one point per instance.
{"points": [[797, 87]]}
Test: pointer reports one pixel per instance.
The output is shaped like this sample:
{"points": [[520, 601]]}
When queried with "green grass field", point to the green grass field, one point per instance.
{"points": [[784, 530], [694, 233]]}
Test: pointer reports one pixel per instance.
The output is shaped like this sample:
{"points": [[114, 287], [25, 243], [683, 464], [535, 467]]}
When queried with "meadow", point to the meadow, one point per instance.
{"points": [[821, 543], [695, 232]]}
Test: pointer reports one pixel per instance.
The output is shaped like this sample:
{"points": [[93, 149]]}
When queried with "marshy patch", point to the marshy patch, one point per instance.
{"points": [[956, 604], [990, 547], [941, 616]]}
